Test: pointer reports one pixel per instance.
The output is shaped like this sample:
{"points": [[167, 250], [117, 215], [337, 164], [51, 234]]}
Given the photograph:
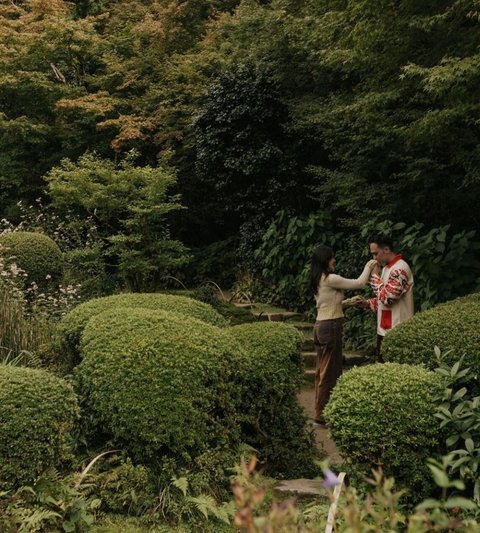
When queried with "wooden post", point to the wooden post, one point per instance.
{"points": [[332, 511]]}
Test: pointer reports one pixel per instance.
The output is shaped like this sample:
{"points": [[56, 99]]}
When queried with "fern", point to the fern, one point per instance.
{"points": [[37, 520], [181, 484], [208, 507]]}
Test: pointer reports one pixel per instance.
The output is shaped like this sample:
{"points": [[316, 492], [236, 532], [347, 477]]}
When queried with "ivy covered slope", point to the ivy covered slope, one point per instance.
{"points": [[37, 413], [162, 387], [71, 327]]}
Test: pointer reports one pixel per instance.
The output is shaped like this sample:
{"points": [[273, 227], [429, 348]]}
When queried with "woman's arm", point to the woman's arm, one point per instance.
{"points": [[337, 282]]}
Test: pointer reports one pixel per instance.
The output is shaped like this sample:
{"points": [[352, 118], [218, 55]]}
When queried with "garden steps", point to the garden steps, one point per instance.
{"points": [[268, 312], [350, 359], [276, 316], [302, 487]]}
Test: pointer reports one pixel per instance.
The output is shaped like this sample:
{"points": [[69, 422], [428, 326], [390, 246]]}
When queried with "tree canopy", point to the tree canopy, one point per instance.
{"points": [[358, 107]]}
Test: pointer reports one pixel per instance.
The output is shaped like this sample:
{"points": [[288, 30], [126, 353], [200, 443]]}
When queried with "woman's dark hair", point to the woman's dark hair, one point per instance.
{"points": [[320, 259]]}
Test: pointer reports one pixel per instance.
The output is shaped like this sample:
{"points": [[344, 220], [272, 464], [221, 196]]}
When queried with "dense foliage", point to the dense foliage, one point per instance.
{"points": [[72, 325], [452, 326], [355, 108], [37, 413], [129, 205], [274, 423], [176, 400], [35, 253], [385, 415], [283, 263], [459, 414], [222, 140]]}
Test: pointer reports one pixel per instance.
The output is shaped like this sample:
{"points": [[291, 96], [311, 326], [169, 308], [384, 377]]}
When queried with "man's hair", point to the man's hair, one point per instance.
{"points": [[382, 241]]}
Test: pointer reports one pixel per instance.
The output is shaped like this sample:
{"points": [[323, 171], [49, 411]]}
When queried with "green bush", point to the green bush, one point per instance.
{"points": [[86, 266], [159, 385], [37, 411], [450, 326], [71, 326], [35, 253], [385, 415], [274, 423]]}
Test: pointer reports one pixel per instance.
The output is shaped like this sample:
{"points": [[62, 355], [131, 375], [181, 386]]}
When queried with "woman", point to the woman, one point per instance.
{"points": [[328, 291]]}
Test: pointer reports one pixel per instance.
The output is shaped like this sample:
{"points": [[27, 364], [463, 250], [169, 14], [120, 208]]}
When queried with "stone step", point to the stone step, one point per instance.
{"points": [[308, 345], [350, 359], [243, 306], [275, 317], [302, 487], [304, 327], [309, 358]]}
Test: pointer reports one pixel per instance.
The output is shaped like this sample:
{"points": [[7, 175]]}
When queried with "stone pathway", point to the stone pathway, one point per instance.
{"points": [[306, 398], [302, 487]]}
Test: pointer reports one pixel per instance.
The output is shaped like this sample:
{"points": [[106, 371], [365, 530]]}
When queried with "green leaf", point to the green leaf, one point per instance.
{"points": [[181, 484], [430, 503], [461, 502], [459, 394], [455, 369], [439, 476], [68, 527], [453, 439]]}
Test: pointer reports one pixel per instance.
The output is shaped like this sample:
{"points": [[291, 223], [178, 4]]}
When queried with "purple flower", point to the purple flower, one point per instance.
{"points": [[331, 480]]}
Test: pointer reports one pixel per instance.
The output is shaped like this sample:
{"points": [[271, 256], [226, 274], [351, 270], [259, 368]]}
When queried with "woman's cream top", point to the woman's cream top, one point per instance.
{"points": [[330, 293]]}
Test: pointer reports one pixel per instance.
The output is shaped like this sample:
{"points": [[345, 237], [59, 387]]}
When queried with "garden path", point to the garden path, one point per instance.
{"points": [[306, 399], [306, 396]]}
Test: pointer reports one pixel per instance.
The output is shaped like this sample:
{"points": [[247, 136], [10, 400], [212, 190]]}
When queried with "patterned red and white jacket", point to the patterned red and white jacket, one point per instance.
{"points": [[394, 295]]}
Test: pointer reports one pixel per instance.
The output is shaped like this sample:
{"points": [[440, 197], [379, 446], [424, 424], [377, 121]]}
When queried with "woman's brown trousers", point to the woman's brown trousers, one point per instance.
{"points": [[328, 367]]}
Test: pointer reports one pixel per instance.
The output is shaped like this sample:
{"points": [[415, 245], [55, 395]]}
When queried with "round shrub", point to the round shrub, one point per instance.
{"points": [[37, 411], [71, 326], [35, 253], [451, 326], [159, 385], [385, 415], [273, 422]]}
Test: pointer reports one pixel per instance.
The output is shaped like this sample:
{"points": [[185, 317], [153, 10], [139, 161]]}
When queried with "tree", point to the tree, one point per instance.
{"points": [[131, 206], [45, 57], [243, 160]]}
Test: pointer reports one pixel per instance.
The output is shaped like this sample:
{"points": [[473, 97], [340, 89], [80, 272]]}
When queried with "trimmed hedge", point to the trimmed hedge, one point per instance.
{"points": [[159, 385], [274, 423], [452, 326], [37, 411], [385, 415], [71, 326], [35, 253]]}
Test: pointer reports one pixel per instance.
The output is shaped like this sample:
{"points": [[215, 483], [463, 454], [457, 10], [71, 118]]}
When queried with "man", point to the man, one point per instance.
{"points": [[393, 288]]}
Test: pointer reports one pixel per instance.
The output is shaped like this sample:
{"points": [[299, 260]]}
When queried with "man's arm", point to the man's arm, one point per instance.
{"points": [[396, 285], [370, 305]]}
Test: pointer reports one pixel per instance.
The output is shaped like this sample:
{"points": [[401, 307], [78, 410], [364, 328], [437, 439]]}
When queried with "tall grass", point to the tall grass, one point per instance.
{"points": [[21, 332]]}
